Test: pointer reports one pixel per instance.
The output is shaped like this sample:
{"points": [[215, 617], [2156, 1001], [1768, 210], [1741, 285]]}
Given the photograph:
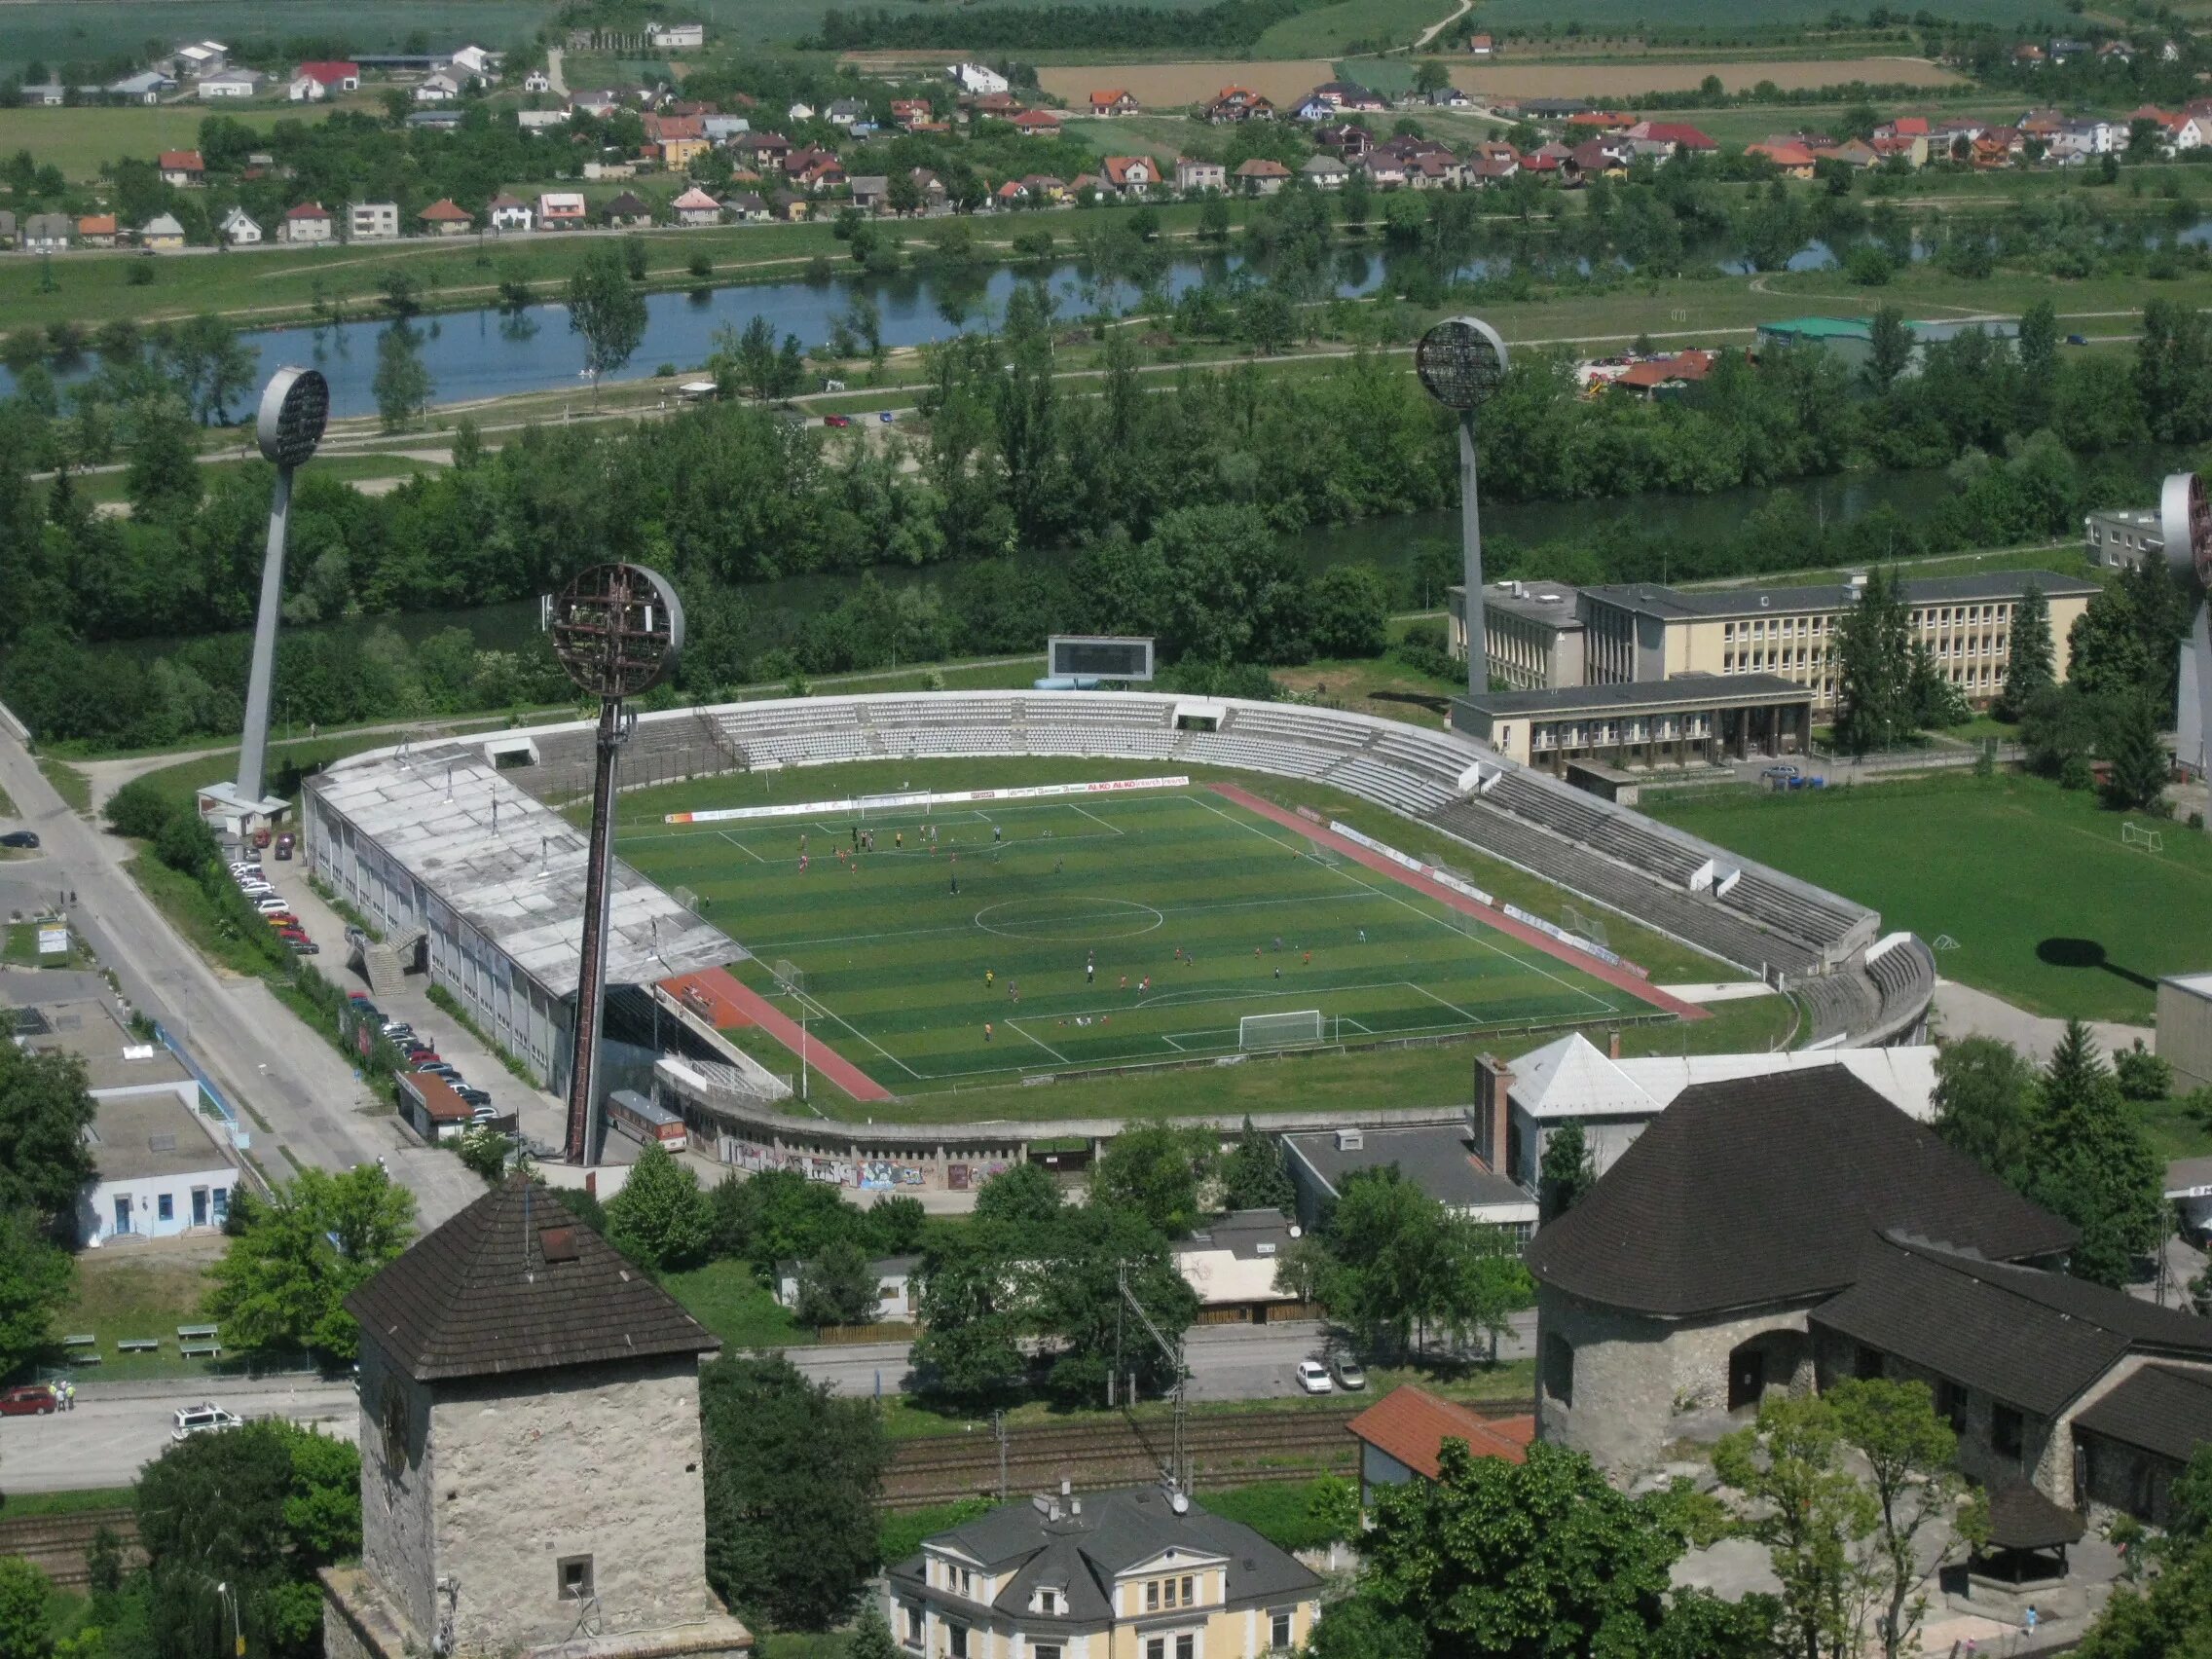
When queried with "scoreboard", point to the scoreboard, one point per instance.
{"points": [[1092, 656]]}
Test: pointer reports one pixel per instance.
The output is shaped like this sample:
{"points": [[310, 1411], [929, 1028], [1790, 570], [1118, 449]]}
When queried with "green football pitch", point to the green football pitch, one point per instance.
{"points": [[1132, 929]]}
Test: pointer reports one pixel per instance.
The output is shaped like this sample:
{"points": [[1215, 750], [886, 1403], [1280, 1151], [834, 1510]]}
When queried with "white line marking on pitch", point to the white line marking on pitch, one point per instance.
{"points": [[1016, 1025], [1094, 818], [740, 846]]}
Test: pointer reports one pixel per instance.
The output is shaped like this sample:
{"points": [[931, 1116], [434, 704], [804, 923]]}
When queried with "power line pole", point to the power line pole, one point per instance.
{"points": [[1178, 1471]]}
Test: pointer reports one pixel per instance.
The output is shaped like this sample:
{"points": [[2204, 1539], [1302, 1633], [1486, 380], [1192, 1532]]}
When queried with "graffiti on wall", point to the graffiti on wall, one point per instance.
{"points": [[866, 1173]]}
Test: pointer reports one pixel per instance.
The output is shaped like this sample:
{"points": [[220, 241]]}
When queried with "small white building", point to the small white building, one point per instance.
{"points": [[231, 84], [474, 61], [509, 213], [676, 37], [160, 1171], [976, 80], [239, 228], [372, 221], [1229, 1265], [898, 1300], [441, 88], [202, 58], [305, 222]]}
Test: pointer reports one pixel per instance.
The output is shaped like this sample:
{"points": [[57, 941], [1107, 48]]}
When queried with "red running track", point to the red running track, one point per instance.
{"points": [[1621, 977], [734, 1003]]}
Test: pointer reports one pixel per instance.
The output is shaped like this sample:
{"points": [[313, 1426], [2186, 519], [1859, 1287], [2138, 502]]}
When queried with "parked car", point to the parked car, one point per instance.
{"points": [[2077, 339], [208, 1419], [416, 1057], [1348, 1373], [470, 1092], [21, 839], [1313, 1377], [32, 1399], [303, 948], [272, 905], [836, 419], [442, 1068], [285, 845]]}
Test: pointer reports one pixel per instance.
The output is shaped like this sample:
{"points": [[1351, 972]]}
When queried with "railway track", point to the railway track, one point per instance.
{"points": [[56, 1544]]}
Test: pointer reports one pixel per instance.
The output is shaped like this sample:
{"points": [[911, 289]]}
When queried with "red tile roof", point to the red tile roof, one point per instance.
{"points": [[331, 71], [306, 210], [447, 211], [181, 160], [1411, 1425]]}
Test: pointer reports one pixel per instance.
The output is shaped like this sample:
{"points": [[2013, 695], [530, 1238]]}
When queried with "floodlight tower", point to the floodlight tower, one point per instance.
{"points": [[294, 406], [2185, 520], [1461, 361], [618, 631]]}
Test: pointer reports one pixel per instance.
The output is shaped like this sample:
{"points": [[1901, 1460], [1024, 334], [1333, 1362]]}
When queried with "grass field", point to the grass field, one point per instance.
{"points": [[56, 30], [81, 141], [2049, 909], [1331, 29], [1627, 78], [1133, 929], [1723, 17]]}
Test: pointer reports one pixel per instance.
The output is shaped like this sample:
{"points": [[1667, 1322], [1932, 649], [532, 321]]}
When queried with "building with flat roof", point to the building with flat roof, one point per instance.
{"points": [[1534, 632], [161, 1171], [2116, 538], [1852, 338], [1229, 1265], [1446, 1160], [1697, 718], [2184, 1037]]}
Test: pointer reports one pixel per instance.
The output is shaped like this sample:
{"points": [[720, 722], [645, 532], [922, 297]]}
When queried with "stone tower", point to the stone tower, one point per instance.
{"points": [[530, 1451]]}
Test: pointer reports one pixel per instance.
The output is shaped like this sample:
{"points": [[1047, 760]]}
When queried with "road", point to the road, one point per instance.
{"points": [[1227, 1362], [302, 1100], [117, 1429]]}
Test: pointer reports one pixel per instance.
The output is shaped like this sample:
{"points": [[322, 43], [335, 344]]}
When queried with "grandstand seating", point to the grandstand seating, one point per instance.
{"points": [[1906, 977], [1839, 1004]]}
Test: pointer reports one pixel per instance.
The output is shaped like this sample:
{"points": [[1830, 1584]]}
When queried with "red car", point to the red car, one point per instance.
{"points": [[34, 1399], [836, 419]]}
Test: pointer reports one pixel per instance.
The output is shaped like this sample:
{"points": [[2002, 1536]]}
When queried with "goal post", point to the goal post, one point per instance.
{"points": [[1280, 1030], [685, 896], [789, 977], [2142, 835]]}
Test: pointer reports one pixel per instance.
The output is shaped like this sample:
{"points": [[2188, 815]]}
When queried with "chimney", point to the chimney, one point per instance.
{"points": [[1613, 1044], [1493, 1082]]}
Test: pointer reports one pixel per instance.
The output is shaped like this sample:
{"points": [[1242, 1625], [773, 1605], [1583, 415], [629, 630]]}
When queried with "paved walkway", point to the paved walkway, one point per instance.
{"points": [[1961, 1010]]}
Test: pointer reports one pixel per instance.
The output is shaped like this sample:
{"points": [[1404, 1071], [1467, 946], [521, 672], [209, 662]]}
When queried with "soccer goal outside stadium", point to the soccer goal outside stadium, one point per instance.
{"points": [[1280, 1030]]}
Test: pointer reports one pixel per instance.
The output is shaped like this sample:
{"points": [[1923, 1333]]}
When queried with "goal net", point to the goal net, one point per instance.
{"points": [[1278, 1030], [2142, 835], [1328, 858], [788, 977], [685, 896], [1586, 923]]}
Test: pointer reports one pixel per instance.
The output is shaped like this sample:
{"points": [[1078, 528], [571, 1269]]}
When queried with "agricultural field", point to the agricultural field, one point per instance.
{"points": [[81, 141], [56, 30], [1175, 85], [1369, 24], [1726, 19], [1627, 78], [2041, 900], [1125, 928]]}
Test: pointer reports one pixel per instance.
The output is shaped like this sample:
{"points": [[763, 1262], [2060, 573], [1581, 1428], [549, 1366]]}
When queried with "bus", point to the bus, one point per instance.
{"points": [[644, 1122]]}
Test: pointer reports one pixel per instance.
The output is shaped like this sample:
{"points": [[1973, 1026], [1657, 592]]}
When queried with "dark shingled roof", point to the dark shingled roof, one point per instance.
{"points": [[2162, 1409], [1765, 1189], [2033, 1338], [1080, 1554], [2021, 1518], [515, 1283]]}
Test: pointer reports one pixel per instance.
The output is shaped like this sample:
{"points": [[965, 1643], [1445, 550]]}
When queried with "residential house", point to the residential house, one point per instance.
{"points": [[847, 112], [905, 112], [239, 228], [231, 84], [305, 222], [46, 232], [1487, 170], [696, 207], [1599, 121], [870, 192], [678, 139], [1678, 136], [1131, 175], [1548, 160], [762, 149], [1346, 95], [1043, 187], [1385, 171], [1192, 174], [506, 212], [1752, 1203], [183, 168], [1038, 123], [45, 95], [626, 212], [2116, 52], [312, 82], [98, 229], [929, 187], [790, 207], [201, 58], [445, 217], [1602, 157], [1459, 1164], [722, 128], [1792, 159], [442, 86], [1348, 139], [537, 121], [1434, 171], [799, 161], [1857, 151], [1145, 1574], [536, 81], [158, 1170], [1449, 98], [475, 64], [1324, 171], [1904, 126], [2066, 47], [2028, 55], [1260, 176], [1012, 193], [1001, 107], [826, 174], [561, 210], [1911, 150], [799, 111], [676, 37], [898, 1293], [1229, 1265], [1232, 104], [7, 227], [1312, 111], [1114, 101], [748, 209], [372, 221], [144, 87], [1085, 181], [1401, 1438], [1483, 46], [978, 80], [161, 234]]}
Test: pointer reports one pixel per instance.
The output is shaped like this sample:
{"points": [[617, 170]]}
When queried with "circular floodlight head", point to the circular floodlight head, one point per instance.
{"points": [[2185, 521], [293, 408], [618, 630], [1460, 360]]}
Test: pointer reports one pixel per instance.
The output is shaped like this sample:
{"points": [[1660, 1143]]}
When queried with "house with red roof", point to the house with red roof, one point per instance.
{"points": [[324, 78], [305, 222], [1483, 46], [1794, 158], [1655, 376], [1232, 104], [1260, 176], [696, 207], [1131, 175], [183, 168], [98, 229], [1012, 193], [1113, 101], [1037, 123], [447, 218], [1676, 135], [1401, 1438]]}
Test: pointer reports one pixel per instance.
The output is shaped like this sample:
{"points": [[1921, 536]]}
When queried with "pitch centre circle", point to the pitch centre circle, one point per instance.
{"points": [[1068, 921]]}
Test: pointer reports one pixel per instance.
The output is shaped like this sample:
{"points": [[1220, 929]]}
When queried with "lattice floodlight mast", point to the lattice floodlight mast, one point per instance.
{"points": [[294, 406], [618, 632], [1461, 362], [2185, 516]]}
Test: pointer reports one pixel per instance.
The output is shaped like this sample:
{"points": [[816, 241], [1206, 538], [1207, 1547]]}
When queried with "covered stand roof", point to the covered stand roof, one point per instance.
{"points": [[514, 1283], [2021, 1518]]}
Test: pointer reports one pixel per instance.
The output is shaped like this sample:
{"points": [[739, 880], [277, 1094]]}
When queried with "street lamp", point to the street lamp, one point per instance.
{"points": [[294, 406], [618, 632], [1461, 361]]}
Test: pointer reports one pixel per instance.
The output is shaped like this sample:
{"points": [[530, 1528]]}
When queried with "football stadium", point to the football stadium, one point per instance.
{"points": [[898, 895]]}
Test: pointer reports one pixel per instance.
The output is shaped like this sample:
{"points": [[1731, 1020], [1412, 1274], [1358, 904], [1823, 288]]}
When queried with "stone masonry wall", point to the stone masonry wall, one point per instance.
{"points": [[602, 1461], [397, 1537]]}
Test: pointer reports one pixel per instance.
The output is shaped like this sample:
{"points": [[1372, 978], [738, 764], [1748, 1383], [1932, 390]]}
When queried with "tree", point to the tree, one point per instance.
{"points": [[608, 310], [971, 1311], [1352, 611], [295, 1255], [1430, 76], [2143, 1076], [1213, 220], [1152, 1170], [2028, 670], [1403, 1262], [1491, 1557], [839, 1287], [45, 1114], [1813, 1516], [162, 480], [1019, 1196], [2141, 763], [1912, 1462], [1936, 702], [1254, 1174], [2173, 372], [1874, 668], [36, 1280], [23, 1594], [1890, 353], [486, 1151], [2092, 1164], [1075, 1298], [1569, 1169], [661, 1219], [1985, 1105], [871, 1636], [791, 1476], [402, 384]]}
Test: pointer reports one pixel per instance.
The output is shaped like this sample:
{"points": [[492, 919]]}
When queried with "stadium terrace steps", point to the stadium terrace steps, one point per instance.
{"points": [[1839, 1004], [1906, 977], [1597, 826]]}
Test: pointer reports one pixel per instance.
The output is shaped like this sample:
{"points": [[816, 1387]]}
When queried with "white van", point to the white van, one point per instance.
{"points": [[208, 1419]]}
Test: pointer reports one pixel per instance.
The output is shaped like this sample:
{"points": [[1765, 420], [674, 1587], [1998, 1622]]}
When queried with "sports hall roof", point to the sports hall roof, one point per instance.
{"points": [[513, 867]]}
